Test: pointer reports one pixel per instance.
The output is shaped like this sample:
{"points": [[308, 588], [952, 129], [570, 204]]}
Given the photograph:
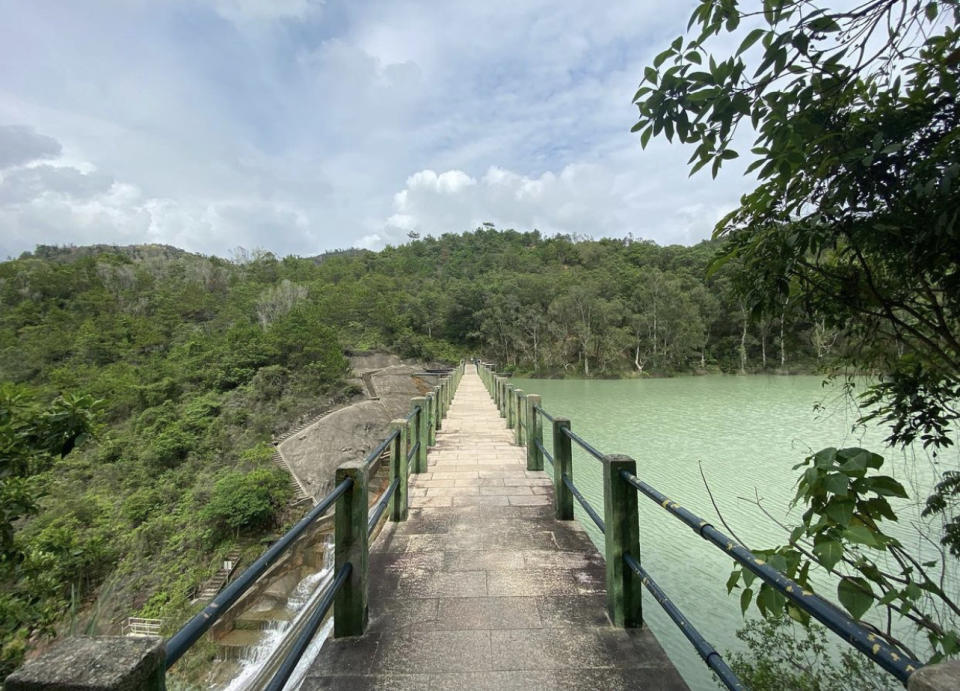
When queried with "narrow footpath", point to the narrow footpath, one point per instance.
{"points": [[481, 588]]}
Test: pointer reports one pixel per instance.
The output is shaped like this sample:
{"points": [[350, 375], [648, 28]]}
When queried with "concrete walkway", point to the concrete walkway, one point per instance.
{"points": [[481, 588]]}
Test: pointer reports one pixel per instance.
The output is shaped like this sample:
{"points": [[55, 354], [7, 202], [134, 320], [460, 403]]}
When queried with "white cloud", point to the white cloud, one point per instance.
{"points": [[623, 195], [28, 183], [20, 144], [302, 126]]}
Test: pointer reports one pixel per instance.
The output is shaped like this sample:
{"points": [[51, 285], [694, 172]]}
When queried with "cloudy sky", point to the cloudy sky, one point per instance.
{"points": [[300, 126]]}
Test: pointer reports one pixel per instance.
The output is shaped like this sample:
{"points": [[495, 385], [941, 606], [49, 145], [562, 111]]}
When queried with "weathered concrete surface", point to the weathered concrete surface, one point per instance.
{"points": [[101, 664], [481, 588], [943, 676], [349, 433]]}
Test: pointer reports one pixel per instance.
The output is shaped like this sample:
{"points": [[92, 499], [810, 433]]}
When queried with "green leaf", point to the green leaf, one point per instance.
{"points": [[694, 57], [797, 614], [856, 464], [769, 600], [645, 137], [733, 580], [778, 562], [930, 11], [751, 38], [856, 595], [729, 154], [650, 75], [828, 552], [862, 534], [840, 511], [824, 458], [836, 483], [745, 597], [824, 25], [886, 486], [662, 57]]}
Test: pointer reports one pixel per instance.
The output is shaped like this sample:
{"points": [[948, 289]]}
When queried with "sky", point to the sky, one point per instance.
{"points": [[301, 126]]}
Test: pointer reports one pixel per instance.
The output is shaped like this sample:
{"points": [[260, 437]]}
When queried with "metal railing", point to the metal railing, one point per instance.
{"points": [[620, 528], [355, 522]]}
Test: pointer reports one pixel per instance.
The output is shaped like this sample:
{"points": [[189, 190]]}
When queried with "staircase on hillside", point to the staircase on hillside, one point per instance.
{"points": [[299, 492], [209, 590]]}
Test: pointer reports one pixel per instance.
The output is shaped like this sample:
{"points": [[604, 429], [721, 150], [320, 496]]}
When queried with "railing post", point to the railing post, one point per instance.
{"points": [[518, 438], [501, 397], [562, 465], [509, 406], [534, 433], [350, 546], [621, 536], [438, 399], [431, 405], [398, 470], [420, 433]]}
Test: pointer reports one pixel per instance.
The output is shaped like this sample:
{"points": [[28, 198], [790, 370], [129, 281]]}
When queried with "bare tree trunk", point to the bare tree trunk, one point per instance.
{"points": [[743, 342], [763, 348], [783, 345]]}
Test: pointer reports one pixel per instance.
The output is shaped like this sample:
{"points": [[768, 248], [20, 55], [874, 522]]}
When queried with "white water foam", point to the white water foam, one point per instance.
{"points": [[254, 657]]}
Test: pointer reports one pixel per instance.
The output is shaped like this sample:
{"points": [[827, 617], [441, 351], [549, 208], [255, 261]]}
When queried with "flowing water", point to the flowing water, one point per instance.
{"points": [[746, 433], [305, 593]]}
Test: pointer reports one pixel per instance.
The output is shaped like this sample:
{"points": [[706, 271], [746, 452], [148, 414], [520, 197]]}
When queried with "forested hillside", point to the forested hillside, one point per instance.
{"points": [[141, 386]]}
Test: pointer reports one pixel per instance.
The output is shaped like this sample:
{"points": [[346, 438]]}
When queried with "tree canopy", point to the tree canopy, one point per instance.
{"points": [[856, 154]]}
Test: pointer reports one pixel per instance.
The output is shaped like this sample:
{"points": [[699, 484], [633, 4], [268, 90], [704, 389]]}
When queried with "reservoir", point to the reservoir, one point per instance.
{"points": [[747, 433]]}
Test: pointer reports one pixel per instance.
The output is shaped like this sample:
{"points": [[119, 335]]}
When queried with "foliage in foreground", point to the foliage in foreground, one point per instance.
{"points": [[783, 655], [857, 156]]}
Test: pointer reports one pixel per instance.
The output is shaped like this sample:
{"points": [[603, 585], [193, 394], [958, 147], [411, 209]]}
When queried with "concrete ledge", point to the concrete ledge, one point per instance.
{"points": [[943, 676], [86, 663]]}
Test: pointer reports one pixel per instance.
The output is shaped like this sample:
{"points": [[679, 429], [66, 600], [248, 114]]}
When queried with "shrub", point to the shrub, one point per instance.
{"points": [[246, 500]]}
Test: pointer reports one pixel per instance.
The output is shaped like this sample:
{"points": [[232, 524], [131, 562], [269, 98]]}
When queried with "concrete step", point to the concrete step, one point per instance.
{"points": [[260, 621]]}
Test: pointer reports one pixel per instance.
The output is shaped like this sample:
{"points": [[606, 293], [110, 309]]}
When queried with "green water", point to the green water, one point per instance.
{"points": [[747, 433]]}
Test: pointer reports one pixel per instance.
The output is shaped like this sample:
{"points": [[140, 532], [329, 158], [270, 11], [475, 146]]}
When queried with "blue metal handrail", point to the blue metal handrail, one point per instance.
{"points": [[178, 644], [703, 647], [897, 663], [375, 454], [413, 413], [584, 503], [381, 505], [303, 640], [546, 454], [413, 450], [543, 412], [586, 445]]}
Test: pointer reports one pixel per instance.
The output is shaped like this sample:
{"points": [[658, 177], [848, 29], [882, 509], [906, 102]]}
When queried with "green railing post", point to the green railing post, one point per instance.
{"points": [[420, 433], [431, 424], [398, 470], [502, 396], [350, 546], [621, 536], [518, 437], [534, 433], [509, 406], [438, 399], [562, 465]]}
